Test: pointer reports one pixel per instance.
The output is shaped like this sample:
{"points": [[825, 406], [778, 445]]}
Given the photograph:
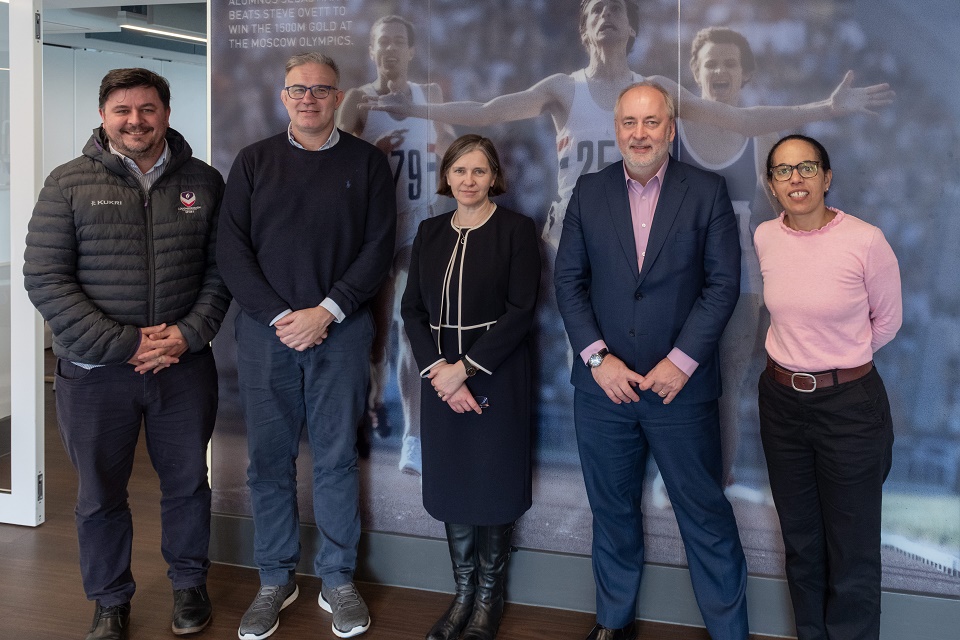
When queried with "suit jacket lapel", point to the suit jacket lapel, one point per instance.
{"points": [[672, 192], [618, 206]]}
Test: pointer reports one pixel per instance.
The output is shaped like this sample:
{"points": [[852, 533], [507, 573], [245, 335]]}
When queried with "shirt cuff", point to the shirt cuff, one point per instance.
{"points": [[591, 349], [682, 361], [280, 315], [477, 365], [426, 372], [333, 308]]}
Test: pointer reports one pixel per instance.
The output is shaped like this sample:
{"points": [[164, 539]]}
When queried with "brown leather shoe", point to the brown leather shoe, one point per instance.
{"points": [[600, 632], [110, 623]]}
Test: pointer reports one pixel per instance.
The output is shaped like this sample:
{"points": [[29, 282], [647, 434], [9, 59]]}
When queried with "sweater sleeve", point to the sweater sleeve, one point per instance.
{"points": [[84, 331], [367, 272], [881, 277], [236, 257]]}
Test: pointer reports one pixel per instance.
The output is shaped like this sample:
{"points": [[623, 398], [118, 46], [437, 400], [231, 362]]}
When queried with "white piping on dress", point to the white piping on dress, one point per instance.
{"points": [[446, 290], [448, 275], [482, 325]]}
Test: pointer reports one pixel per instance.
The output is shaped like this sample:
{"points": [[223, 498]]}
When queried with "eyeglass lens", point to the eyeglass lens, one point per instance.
{"points": [[319, 91], [782, 172]]}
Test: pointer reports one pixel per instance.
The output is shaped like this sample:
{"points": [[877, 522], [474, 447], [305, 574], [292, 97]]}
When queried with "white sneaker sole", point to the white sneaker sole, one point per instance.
{"points": [[341, 634], [286, 603]]}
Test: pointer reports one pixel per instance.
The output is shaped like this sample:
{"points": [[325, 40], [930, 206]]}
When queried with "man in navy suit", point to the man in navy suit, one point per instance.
{"points": [[647, 275]]}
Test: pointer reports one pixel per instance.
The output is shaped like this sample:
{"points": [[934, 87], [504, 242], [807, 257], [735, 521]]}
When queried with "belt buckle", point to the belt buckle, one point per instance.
{"points": [[793, 381]]}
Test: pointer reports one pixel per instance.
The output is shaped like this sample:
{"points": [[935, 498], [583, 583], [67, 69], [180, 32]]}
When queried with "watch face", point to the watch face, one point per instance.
{"points": [[596, 359]]}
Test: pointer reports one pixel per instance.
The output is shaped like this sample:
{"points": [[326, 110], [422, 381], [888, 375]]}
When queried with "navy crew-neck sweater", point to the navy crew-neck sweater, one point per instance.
{"points": [[297, 226]]}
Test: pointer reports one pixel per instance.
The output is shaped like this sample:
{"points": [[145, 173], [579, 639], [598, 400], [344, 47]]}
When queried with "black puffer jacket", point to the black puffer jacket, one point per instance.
{"points": [[104, 259]]}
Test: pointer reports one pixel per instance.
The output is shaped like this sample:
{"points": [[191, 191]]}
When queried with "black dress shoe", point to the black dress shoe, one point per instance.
{"points": [[110, 623], [600, 632], [192, 610]]}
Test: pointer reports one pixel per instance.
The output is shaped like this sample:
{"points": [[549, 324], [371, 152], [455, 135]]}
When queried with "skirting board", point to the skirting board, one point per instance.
{"points": [[565, 581]]}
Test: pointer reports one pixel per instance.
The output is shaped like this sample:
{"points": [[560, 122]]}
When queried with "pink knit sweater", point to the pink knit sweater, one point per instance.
{"points": [[833, 293]]}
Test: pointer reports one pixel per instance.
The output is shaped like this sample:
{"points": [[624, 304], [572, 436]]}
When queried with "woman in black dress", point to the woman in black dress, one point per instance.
{"points": [[468, 309]]}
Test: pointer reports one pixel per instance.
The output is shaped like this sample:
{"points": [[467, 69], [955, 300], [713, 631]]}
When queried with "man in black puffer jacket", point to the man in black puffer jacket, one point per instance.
{"points": [[120, 261]]}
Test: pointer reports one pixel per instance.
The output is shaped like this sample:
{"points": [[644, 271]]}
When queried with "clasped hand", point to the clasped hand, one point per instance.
{"points": [[305, 328], [160, 347], [618, 381], [449, 381]]}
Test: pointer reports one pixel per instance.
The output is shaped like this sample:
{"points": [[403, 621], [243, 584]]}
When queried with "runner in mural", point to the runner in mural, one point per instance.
{"points": [[581, 104], [722, 62], [412, 146]]}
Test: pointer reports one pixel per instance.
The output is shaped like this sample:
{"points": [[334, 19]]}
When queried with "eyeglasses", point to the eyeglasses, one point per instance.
{"points": [[783, 172], [319, 91]]}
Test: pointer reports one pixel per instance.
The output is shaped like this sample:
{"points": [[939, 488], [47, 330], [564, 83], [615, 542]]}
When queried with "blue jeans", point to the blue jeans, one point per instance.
{"points": [[282, 391], [100, 412], [685, 442]]}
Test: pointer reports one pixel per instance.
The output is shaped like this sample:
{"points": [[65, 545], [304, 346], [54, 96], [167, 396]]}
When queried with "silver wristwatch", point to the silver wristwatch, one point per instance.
{"points": [[594, 361]]}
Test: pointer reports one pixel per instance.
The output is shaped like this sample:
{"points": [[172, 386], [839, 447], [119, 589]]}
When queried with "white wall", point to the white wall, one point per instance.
{"points": [[71, 83]]}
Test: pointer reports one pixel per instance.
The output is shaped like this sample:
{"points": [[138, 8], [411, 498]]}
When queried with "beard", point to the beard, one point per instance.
{"points": [[144, 147]]}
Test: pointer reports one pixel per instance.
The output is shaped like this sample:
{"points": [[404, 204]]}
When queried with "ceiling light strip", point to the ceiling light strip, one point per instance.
{"points": [[164, 33]]}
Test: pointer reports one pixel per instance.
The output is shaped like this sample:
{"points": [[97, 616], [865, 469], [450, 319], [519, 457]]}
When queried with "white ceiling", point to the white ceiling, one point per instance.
{"points": [[67, 22]]}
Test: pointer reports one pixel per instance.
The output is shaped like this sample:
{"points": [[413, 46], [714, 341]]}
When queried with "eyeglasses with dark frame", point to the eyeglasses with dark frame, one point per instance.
{"points": [[319, 91], [783, 172]]}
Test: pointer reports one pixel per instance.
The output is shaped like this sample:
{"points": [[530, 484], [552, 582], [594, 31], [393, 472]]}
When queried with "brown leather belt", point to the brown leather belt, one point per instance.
{"points": [[808, 382]]}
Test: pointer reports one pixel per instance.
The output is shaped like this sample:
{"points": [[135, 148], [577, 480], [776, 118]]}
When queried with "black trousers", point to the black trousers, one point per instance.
{"points": [[828, 453], [100, 412]]}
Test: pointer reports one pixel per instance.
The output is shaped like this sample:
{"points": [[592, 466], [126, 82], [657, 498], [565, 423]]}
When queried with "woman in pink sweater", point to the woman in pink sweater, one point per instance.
{"points": [[832, 286]]}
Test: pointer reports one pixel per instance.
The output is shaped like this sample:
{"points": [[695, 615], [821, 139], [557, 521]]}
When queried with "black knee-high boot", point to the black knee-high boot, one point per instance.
{"points": [[462, 541], [493, 552]]}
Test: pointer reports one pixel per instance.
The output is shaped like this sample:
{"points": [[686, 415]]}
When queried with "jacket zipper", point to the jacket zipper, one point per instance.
{"points": [[151, 262]]}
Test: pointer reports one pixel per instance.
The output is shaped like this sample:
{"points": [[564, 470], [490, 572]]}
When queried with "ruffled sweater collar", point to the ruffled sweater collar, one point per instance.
{"points": [[840, 215]]}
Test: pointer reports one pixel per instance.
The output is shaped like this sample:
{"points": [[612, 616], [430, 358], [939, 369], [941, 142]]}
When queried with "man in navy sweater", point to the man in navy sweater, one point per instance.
{"points": [[306, 238]]}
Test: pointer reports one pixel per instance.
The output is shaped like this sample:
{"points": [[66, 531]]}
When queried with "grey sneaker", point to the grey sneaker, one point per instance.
{"points": [[350, 614], [263, 616]]}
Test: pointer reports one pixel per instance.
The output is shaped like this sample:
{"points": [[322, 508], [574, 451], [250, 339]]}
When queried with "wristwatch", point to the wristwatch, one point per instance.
{"points": [[469, 368], [594, 361]]}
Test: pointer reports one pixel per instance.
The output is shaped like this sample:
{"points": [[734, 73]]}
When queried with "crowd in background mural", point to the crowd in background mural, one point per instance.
{"points": [[897, 169]]}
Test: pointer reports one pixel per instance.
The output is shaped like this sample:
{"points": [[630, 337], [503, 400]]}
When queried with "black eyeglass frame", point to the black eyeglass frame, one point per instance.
{"points": [[772, 172], [324, 89]]}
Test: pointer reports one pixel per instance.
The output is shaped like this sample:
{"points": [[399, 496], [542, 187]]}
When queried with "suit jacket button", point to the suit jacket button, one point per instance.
{"points": [[631, 333], [637, 295]]}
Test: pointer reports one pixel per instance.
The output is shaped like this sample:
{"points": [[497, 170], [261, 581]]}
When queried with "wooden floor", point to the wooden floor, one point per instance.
{"points": [[41, 597]]}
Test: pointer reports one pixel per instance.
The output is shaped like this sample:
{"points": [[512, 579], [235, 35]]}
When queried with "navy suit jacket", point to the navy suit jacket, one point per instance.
{"points": [[683, 297]]}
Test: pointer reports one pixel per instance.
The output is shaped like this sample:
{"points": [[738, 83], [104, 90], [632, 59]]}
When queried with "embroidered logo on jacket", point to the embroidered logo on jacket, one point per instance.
{"points": [[96, 203], [189, 201]]}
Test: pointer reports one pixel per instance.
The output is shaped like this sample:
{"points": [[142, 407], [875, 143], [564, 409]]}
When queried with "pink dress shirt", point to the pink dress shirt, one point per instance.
{"points": [[643, 204]]}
